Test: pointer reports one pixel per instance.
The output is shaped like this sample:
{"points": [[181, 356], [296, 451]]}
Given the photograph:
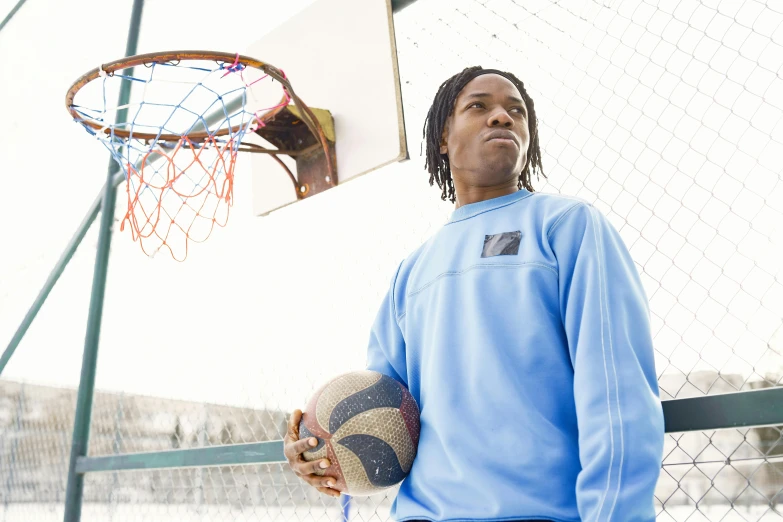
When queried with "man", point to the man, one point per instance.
{"points": [[522, 330]]}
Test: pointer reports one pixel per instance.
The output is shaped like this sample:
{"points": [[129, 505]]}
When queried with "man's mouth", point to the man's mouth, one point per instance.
{"points": [[502, 135]]}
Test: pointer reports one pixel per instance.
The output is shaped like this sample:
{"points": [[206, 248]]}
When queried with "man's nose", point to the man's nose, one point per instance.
{"points": [[501, 118]]}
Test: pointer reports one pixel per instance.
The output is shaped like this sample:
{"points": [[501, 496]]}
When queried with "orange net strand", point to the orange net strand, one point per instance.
{"points": [[166, 205]]}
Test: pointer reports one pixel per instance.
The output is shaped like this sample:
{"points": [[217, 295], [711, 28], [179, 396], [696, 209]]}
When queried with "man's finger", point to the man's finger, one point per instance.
{"points": [[329, 491], [293, 424], [304, 468], [303, 445], [320, 482], [294, 449], [311, 468]]}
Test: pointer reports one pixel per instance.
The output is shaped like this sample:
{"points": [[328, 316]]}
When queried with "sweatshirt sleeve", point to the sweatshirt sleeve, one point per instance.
{"points": [[386, 348], [606, 319]]}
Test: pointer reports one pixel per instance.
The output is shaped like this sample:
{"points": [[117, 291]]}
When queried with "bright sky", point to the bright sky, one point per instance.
{"points": [[268, 308]]}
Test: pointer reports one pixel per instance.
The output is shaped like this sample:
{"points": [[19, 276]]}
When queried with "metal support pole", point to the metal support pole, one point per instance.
{"points": [[399, 5], [54, 276], [11, 14], [81, 426]]}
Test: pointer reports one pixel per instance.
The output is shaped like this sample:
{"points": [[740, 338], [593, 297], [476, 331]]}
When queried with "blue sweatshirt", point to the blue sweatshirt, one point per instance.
{"points": [[522, 330]]}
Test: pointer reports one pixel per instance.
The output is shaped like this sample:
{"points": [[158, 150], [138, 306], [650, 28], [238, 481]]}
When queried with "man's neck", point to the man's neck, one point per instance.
{"points": [[468, 195]]}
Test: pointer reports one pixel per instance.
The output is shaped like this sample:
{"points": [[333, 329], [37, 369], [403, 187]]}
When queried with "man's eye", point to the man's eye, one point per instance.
{"points": [[520, 110], [477, 104]]}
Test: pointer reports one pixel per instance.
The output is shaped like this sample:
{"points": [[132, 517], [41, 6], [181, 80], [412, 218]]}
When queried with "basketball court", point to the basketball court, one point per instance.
{"points": [[246, 270]]}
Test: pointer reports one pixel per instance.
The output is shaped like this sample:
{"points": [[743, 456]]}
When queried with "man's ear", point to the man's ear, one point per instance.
{"points": [[444, 149]]}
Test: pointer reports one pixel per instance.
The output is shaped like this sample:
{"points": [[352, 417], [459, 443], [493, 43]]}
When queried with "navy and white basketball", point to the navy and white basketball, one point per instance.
{"points": [[367, 425]]}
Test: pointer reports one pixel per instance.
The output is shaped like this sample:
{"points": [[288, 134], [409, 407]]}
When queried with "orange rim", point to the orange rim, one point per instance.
{"points": [[173, 56]]}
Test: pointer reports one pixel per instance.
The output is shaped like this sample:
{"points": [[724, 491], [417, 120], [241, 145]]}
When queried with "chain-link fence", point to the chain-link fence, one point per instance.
{"points": [[665, 115]]}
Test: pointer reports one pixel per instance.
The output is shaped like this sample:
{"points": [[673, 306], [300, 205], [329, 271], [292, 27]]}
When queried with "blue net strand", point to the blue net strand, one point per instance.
{"points": [[177, 148], [129, 78]]}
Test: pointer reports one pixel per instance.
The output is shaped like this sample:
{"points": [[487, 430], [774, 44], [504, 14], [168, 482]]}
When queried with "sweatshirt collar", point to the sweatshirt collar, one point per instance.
{"points": [[474, 209]]}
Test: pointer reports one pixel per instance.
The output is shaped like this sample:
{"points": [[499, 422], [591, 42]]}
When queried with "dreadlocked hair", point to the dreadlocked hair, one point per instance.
{"points": [[437, 164]]}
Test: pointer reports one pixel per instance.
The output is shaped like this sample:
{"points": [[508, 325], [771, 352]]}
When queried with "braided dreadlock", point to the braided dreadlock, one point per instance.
{"points": [[437, 164]]}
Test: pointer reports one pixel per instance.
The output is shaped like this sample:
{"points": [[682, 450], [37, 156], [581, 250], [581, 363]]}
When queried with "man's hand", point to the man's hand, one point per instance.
{"points": [[293, 449]]}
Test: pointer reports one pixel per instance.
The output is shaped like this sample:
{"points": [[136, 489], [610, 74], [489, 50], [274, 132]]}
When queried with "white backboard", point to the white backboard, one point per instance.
{"points": [[339, 55]]}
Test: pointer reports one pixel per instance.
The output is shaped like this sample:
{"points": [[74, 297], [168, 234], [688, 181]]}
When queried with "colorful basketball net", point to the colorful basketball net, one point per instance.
{"points": [[177, 140]]}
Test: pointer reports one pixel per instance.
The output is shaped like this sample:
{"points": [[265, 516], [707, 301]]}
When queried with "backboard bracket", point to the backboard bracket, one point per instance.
{"points": [[288, 132]]}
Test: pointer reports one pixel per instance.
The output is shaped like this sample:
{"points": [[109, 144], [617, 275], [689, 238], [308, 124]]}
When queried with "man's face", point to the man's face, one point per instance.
{"points": [[486, 137]]}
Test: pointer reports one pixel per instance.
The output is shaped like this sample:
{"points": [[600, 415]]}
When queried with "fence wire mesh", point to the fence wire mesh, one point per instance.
{"points": [[668, 116]]}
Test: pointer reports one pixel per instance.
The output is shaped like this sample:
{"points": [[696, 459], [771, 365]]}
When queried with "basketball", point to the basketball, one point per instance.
{"points": [[367, 425]]}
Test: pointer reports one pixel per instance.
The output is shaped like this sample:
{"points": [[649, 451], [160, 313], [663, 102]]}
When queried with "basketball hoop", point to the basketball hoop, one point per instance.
{"points": [[185, 126]]}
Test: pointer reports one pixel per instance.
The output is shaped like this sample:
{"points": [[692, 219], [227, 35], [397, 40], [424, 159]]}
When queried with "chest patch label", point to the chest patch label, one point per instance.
{"points": [[505, 244]]}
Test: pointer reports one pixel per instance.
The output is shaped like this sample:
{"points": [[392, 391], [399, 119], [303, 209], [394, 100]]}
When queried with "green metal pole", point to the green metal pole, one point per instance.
{"points": [[81, 426], [11, 14], [55, 274], [399, 5]]}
